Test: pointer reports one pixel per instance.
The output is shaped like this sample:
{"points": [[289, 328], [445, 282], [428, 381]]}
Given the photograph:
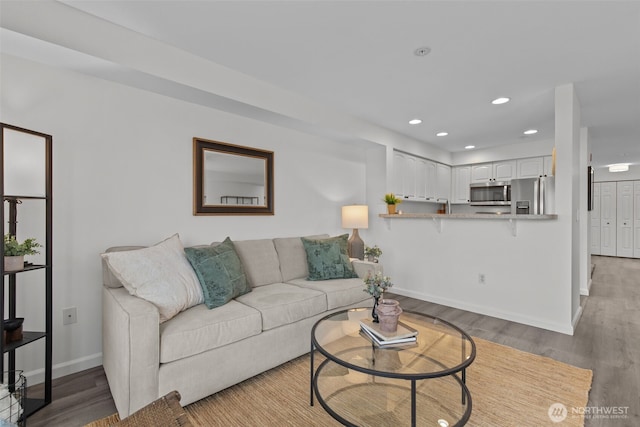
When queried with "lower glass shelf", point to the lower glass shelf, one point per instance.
{"points": [[27, 337]]}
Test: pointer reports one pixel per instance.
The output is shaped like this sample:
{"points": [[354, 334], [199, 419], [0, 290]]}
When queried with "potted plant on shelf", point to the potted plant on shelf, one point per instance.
{"points": [[391, 200], [373, 253], [14, 252]]}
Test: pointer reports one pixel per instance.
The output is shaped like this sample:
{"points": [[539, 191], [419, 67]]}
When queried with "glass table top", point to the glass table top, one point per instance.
{"points": [[440, 349]]}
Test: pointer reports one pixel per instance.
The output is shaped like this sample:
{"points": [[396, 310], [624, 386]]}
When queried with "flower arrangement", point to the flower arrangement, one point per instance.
{"points": [[376, 284], [13, 248], [372, 253], [391, 199]]}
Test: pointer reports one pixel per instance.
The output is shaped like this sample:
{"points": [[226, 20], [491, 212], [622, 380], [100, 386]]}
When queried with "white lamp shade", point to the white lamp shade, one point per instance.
{"points": [[355, 216]]}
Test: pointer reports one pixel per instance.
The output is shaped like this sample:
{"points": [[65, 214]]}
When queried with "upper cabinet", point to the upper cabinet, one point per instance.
{"points": [[416, 178], [443, 182], [534, 167], [498, 171], [461, 178], [530, 168]]}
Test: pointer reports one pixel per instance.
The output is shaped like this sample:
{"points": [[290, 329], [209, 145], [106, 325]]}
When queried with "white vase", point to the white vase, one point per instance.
{"points": [[13, 263]]}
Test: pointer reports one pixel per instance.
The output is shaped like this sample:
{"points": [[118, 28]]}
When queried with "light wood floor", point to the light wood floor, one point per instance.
{"points": [[607, 341]]}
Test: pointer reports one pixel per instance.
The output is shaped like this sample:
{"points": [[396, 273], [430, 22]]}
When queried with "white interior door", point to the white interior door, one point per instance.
{"points": [[595, 220], [608, 218], [636, 219], [624, 213]]}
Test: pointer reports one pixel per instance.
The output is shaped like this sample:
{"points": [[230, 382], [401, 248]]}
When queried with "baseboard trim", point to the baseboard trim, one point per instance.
{"points": [[585, 291], [576, 318], [66, 368], [488, 311]]}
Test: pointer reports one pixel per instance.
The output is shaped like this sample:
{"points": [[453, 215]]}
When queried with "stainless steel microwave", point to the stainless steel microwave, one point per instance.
{"points": [[490, 194]]}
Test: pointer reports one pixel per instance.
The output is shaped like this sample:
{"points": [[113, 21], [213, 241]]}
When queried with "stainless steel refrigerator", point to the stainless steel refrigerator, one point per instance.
{"points": [[533, 196]]}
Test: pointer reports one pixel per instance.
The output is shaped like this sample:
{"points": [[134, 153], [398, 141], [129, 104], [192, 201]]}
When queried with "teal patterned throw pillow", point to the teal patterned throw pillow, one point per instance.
{"points": [[219, 271], [328, 258]]}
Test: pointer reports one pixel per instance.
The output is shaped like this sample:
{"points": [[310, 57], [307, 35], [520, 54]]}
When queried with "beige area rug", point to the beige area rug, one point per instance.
{"points": [[508, 388]]}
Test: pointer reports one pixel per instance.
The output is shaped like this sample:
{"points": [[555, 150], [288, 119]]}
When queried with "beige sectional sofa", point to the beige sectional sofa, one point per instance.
{"points": [[201, 351]]}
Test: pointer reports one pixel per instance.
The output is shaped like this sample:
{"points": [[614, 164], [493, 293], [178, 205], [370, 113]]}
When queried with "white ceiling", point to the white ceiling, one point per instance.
{"points": [[357, 57]]}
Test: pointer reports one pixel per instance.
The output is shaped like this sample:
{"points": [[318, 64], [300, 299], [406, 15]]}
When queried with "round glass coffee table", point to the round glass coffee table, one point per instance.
{"points": [[362, 384]]}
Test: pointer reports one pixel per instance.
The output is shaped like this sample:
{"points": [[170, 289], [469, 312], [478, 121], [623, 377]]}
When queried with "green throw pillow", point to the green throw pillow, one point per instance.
{"points": [[219, 271], [328, 258]]}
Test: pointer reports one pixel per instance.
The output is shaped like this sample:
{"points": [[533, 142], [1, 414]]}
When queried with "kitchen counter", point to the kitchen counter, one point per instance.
{"points": [[468, 216]]}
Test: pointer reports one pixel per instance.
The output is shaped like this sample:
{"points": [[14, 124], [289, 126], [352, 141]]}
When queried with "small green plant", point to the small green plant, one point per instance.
{"points": [[376, 284], [13, 248], [373, 252], [391, 199]]}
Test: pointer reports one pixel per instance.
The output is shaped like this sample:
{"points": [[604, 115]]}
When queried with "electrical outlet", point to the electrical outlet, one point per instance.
{"points": [[481, 279], [69, 316]]}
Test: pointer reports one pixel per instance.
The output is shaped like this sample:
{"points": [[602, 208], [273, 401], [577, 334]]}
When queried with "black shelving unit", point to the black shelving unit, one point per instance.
{"points": [[9, 289]]}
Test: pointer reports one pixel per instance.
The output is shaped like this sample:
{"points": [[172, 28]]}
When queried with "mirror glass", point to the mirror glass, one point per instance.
{"points": [[231, 179]]}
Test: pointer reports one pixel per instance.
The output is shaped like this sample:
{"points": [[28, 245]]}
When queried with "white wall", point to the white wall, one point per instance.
{"points": [[569, 181], [524, 274], [123, 175]]}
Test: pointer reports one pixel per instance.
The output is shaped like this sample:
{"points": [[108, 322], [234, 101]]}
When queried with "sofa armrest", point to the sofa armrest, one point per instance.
{"points": [[130, 349], [362, 268]]}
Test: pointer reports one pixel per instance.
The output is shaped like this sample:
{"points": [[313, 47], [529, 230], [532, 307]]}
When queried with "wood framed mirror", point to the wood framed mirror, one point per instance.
{"points": [[231, 179]]}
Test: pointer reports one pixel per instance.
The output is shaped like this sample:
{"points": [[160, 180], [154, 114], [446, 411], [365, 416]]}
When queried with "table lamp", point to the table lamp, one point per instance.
{"points": [[355, 217]]}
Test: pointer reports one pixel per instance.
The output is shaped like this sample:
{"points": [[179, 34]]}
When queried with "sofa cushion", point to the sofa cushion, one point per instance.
{"points": [[159, 274], [108, 278], [339, 292], [199, 329], [219, 271], [282, 304], [260, 261], [328, 258], [293, 257]]}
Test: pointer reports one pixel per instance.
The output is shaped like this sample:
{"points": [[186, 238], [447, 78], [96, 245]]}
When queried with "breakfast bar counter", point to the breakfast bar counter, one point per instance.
{"points": [[468, 216]]}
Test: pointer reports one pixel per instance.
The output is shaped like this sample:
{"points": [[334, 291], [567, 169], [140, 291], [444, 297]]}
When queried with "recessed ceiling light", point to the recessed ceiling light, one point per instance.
{"points": [[469, 147], [415, 121], [442, 133], [422, 51], [531, 131], [501, 100], [619, 167]]}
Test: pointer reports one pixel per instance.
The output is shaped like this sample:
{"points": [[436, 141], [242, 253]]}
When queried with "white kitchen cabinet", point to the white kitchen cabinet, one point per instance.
{"points": [[422, 173], [595, 220], [624, 214], [431, 184], [443, 182], [409, 176], [498, 171], [416, 178], [482, 172], [461, 176], [504, 171], [396, 180], [608, 205], [636, 219], [530, 168]]}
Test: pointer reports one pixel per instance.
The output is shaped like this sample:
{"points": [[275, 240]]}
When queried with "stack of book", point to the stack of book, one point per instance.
{"points": [[404, 335]]}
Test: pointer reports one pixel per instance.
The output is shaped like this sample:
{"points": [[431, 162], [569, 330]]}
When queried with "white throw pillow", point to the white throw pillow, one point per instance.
{"points": [[160, 274]]}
